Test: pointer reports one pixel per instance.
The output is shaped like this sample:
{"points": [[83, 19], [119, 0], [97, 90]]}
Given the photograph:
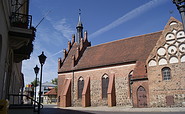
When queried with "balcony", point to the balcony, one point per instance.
{"points": [[21, 20], [21, 34]]}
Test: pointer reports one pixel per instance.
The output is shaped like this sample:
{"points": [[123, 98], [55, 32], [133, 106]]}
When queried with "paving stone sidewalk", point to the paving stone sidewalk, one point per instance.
{"points": [[126, 109]]}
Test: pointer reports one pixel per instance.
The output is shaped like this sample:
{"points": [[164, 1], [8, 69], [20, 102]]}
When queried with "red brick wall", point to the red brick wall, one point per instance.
{"points": [[135, 87], [160, 88], [121, 84]]}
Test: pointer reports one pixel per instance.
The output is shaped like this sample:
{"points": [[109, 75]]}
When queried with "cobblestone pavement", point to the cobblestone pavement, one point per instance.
{"points": [[127, 109], [53, 109]]}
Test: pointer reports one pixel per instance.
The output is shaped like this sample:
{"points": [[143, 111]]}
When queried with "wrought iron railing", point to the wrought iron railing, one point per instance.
{"points": [[23, 100], [21, 20]]}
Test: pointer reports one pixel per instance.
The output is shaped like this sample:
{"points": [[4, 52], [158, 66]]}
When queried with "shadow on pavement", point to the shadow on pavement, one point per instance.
{"points": [[62, 111]]}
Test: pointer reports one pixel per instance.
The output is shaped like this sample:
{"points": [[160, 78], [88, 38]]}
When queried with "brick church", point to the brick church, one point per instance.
{"points": [[141, 71]]}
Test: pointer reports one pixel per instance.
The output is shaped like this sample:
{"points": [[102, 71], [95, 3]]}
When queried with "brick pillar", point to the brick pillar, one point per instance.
{"points": [[86, 100], [61, 85], [66, 96], [111, 91]]}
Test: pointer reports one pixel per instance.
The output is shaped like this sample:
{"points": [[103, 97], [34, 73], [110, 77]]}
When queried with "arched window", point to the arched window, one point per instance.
{"points": [[80, 87], [105, 82], [166, 73], [130, 82], [58, 98]]}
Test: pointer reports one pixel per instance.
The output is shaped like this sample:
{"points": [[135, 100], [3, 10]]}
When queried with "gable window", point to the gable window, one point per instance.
{"points": [[166, 73], [80, 87], [105, 82]]}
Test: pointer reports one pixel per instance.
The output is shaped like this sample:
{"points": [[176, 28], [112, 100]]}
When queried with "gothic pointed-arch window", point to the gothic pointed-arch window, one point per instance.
{"points": [[130, 83], [80, 87], [105, 82], [166, 73]]}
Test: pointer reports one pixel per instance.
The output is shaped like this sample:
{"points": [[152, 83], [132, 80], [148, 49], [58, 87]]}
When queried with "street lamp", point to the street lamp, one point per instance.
{"points": [[42, 59], [36, 69], [181, 7]]}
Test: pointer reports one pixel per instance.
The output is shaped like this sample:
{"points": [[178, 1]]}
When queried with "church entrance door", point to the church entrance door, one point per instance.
{"points": [[141, 97]]}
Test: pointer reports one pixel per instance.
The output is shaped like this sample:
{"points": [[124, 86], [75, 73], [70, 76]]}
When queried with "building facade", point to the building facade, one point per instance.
{"points": [[16, 37], [141, 71], [46, 87], [50, 97]]}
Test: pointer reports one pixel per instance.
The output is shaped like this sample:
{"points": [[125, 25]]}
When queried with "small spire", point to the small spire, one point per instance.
{"points": [[79, 19], [79, 14], [79, 28]]}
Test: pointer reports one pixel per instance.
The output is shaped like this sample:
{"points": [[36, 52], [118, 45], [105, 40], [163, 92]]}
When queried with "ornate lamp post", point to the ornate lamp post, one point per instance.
{"points": [[42, 59], [36, 69], [181, 7]]}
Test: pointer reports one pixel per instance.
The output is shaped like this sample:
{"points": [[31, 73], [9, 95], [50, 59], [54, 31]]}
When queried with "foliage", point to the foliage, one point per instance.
{"points": [[54, 81], [34, 83], [56, 89]]}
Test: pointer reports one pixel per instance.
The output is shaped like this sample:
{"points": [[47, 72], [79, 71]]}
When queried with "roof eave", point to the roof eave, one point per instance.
{"points": [[94, 67]]}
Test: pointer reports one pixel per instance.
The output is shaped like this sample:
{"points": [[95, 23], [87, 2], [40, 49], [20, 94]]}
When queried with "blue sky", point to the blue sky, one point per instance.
{"points": [[105, 21]]}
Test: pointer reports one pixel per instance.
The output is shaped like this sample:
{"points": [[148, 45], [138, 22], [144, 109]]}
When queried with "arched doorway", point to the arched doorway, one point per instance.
{"points": [[141, 97]]}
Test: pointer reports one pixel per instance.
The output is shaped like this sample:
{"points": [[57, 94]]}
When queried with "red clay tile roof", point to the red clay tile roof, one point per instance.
{"points": [[117, 52], [51, 92], [139, 70]]}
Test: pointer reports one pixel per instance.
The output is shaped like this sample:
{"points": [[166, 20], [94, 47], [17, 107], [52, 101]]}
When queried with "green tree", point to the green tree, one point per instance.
{"points": [[34, 84], [55, 81]]}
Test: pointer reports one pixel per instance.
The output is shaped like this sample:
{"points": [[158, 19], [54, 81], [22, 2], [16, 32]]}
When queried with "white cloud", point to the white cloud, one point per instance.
{"points": [[64, 28], [49, 38], [132, 14], [45, 38], [49, 69], [57, 53], [61, 26]]}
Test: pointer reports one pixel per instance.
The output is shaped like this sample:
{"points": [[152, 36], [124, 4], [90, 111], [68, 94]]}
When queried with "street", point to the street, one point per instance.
{"points": [[52, 109]]}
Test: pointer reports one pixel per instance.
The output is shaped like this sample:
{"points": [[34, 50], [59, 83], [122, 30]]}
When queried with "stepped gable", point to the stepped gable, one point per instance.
{"points": [[122, 51], [67, 64]]}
